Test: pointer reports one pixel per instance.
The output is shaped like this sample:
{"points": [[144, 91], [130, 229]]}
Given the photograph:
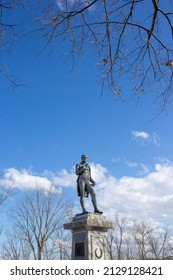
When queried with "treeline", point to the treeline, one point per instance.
{"points": [[139, 240]]}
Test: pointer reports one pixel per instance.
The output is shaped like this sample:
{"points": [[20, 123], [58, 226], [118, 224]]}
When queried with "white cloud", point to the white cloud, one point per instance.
{"points": [[116, 159], [140, 134], [143, 198], [147, 197], [62, 4], [64, 178], [145, 137], [24, 179], [143, 169]]}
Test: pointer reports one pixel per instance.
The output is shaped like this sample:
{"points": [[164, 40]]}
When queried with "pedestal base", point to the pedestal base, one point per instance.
{"points": [[89, 240]]}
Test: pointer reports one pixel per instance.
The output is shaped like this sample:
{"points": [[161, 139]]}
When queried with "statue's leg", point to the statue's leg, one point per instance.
{"points": [[82, 201], [93, 199]]}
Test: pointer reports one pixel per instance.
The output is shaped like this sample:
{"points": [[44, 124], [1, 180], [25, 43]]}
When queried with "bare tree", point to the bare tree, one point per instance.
{"points": [[140, 240], [128, 39], [121, 225], [59, 247], [5, 193], [15, 248], [111, 244], [140, 233], [148, 242], [159, 242], [116, 238], [38, 218], [9, 33]]}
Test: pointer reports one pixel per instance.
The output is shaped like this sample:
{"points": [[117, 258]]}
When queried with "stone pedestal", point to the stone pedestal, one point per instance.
{"points": [[89, 241]]}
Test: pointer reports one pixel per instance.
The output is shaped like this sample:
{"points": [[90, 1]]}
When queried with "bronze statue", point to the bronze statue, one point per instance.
{"points": [[85, 184]]}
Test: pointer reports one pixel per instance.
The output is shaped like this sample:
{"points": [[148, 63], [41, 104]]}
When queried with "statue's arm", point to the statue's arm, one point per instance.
{"points": [[79, 169]]}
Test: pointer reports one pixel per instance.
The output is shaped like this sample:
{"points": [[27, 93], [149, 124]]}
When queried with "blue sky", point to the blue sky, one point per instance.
{"points": [[47, 124]]}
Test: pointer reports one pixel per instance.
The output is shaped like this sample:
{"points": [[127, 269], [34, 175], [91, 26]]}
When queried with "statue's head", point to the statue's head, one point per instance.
{"points": [[84, 157]]}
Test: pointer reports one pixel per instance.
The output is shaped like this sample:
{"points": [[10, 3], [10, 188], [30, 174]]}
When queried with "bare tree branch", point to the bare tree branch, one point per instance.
{"points": [[128, 35]]}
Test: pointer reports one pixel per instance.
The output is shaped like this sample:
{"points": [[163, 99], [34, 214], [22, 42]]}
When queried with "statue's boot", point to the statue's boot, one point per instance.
{"points": [[98, 211]]}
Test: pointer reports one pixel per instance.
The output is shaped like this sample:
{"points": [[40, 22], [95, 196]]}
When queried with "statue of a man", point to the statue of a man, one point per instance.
{"points": [[85, 184]]}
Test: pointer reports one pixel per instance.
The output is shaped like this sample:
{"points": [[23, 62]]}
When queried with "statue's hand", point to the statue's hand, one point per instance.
{"points": [[93, 183], [83, 167]]}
